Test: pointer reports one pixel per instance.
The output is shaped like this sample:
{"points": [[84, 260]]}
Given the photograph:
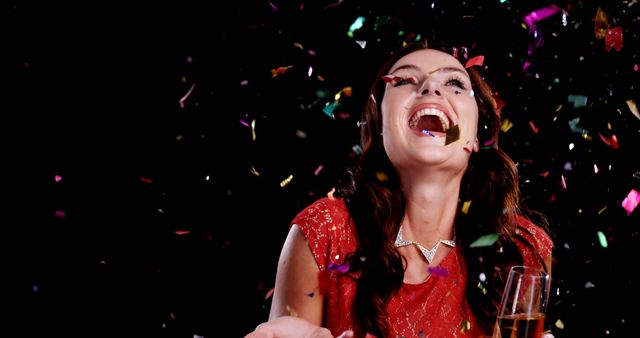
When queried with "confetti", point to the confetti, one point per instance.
{"points": [[453, 134], [485, 240], [631, 201]]}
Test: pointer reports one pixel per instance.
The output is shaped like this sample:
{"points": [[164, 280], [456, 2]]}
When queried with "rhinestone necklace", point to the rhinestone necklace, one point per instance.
{"points": [[428, 254]]}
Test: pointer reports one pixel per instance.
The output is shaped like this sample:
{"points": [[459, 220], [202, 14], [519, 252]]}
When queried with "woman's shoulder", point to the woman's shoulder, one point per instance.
{"points": [[325, 210], [326, 226]]}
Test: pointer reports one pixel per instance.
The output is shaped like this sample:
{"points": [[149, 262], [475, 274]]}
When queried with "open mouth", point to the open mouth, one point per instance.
{"points": [[429, 120]]}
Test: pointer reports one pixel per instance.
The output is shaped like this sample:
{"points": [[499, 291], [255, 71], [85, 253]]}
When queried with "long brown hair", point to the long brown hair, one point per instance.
{"points": [[376, 205]]}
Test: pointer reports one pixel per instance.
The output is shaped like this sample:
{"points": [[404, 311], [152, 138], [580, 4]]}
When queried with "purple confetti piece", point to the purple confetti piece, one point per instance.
{"points": [[343, 268], [438, 271]]}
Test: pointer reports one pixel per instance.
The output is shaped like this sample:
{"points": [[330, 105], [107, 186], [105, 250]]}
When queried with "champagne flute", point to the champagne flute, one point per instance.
{"points": [[524, 304]]}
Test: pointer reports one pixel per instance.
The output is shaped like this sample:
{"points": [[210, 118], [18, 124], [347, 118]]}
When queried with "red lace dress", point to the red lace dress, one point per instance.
{"points": [[435, 308]]}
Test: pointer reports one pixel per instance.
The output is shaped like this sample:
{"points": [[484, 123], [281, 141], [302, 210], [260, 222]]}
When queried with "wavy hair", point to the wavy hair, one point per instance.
{"points": [[377, 206]]}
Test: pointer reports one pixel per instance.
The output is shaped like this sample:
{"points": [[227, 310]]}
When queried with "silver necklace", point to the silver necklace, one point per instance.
{"points": [[428, 254]]}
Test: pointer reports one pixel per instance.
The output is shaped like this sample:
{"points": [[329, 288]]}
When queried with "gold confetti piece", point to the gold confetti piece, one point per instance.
{"points": [[347, 91], [292, 312], [286, 181], [634, 108], [601, 24], [465, 326], [602, 210], [298, 45], [506, 125], [382, 177], [465, 207], [254, 171], [253, 130], [559, 324]]}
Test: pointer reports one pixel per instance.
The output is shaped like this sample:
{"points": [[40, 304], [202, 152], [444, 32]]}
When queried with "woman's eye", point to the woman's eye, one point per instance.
{"points": [[401, 81], [456, 83]]}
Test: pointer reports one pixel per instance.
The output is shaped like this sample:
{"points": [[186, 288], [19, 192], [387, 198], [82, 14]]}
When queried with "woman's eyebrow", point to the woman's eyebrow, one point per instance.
{"points": [[441, 69]]}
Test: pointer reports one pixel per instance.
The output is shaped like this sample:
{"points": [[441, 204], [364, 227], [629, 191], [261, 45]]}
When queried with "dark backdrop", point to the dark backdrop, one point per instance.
{"points": [[129, 212]]}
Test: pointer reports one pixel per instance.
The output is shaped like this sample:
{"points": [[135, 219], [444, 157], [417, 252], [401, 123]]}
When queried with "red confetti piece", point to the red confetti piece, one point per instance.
{"points": [[279, 70], [323, 282], [499, 102], [391, 79], [610, 141], [475, 61], [533, 127], [613, 39], [369, 335], [146, 180], [268, 294]]}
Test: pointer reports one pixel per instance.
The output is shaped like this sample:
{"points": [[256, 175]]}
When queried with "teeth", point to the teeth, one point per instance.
{"points": [[430, 111]]}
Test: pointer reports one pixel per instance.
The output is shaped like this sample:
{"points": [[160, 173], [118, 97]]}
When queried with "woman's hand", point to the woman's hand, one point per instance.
{"points": [[292, 327]]}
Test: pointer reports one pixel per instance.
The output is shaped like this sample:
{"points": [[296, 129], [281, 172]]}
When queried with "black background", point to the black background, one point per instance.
{"points": [[92, 95]]}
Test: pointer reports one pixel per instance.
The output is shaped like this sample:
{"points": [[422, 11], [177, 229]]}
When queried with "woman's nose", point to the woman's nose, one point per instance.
{"points": [[426, 91], [430, 87]]}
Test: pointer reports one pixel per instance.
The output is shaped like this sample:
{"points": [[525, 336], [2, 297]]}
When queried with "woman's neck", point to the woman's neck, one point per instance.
{"points": [[430, 210]]}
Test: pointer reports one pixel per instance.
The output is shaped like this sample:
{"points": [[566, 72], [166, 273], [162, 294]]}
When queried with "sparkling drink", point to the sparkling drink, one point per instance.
{"points": [[524, 303], [520, 326]]}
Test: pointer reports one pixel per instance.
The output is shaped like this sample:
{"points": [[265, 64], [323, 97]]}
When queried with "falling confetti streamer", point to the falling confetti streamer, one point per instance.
{"points": [[186, 96]]}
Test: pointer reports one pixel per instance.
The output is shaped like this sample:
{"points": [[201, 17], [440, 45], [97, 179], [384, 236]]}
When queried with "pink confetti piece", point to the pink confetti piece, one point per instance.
{"points": [[540, 14], [475, 61], [57, 178], [613, 39], [318, 170], [273, 6], [60, 213], [183, 98], [369, 335], [631, 201], [182, 232], [610, 141]]}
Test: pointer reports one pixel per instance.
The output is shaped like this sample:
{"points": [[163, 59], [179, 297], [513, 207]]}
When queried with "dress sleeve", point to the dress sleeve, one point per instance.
{"points": [[539, 241], [325, 225]]}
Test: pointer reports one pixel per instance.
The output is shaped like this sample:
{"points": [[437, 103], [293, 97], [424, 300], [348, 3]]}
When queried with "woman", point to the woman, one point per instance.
{"points": [[390, 255]]}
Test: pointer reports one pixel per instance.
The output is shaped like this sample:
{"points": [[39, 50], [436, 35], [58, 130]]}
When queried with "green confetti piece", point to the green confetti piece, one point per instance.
{"points": [[357, 24], [329, 108], [485, 240], [603, 239], [453, 134], [577, 100]]}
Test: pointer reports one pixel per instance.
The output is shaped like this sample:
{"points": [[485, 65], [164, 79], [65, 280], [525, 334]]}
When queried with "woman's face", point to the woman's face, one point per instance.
{"points": [[428, 93]]}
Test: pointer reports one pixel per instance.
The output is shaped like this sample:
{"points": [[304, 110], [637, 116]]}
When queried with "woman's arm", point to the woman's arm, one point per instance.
{"points": [[296, 286]]}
